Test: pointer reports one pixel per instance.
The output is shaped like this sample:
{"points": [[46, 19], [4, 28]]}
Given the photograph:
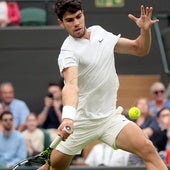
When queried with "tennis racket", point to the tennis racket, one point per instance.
{"points": [[41, 158]]}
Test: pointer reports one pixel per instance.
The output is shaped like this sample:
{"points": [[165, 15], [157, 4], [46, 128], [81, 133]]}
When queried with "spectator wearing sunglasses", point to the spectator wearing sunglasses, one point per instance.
{"points": [[159, 99], [12, 143]]}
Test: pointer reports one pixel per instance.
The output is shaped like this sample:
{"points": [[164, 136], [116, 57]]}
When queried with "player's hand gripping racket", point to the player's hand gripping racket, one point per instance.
{"points": [[41, 158]]}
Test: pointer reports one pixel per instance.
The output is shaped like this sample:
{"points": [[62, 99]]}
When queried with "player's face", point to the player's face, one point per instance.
{"points": [[74, 24]]}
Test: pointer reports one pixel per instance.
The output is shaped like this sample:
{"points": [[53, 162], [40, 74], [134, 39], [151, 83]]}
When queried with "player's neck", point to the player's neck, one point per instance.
{"points": [[87, 35]]}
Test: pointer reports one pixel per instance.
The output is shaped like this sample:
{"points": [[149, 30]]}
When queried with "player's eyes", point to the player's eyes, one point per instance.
{"points": [[79, 16], [70, 20]]}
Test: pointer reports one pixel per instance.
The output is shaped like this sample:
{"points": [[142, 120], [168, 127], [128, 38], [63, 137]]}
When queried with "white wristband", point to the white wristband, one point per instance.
{"points": [[69, 112]]}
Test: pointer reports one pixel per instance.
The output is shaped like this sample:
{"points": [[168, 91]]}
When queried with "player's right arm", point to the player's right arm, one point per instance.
{"points": [[70, 99]]}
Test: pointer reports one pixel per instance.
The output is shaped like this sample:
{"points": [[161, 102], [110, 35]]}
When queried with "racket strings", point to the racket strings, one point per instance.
{"points": [[38, 160]]}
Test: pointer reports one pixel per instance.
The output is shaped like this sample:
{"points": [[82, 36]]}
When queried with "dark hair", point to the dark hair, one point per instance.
{"points": [[5, 113], [158, 114], [62, 6], [53, 84]]}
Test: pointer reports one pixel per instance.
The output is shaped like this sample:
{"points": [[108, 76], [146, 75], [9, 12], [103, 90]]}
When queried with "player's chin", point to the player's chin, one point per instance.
{"points": [[78, 34]]}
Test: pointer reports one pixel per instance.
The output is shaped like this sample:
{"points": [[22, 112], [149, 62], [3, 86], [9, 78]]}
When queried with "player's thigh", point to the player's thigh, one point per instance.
{"points": [[60, 160], [132, 139]]}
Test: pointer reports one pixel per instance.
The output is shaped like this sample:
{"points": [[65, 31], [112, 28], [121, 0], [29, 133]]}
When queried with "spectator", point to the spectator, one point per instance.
{"points": [[168, 142], [146, 116], [34, 136], [103, 155], [159, 135], [159, 98], [17, 107], [50, 116], [12, 143], [1, 110], [9, 14], [167, 152]]}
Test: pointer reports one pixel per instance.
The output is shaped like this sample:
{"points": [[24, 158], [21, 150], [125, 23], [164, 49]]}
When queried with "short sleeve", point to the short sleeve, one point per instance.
{"points": [[111, 39], [66, 59]]}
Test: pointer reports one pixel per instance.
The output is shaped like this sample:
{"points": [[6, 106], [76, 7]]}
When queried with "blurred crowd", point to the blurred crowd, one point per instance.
{"points": [[12, 15], [9, 14], [24, 133]]}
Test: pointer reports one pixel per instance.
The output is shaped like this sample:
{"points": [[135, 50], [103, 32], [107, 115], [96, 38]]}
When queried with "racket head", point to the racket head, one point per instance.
{"points": [[35, 161], [42, 158], [30, 162]]}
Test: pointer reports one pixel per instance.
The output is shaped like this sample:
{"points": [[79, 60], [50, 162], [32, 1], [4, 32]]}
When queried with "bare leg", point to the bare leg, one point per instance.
{"points": [[44, 167], [132, 139], [60, 161]]}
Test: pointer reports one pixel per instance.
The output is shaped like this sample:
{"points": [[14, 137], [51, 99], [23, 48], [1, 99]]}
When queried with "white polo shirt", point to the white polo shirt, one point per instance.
{"points": [[97, 78]]}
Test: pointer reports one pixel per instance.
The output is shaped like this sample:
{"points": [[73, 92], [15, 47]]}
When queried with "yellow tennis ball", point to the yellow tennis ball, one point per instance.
{"points": [[134, 112]]}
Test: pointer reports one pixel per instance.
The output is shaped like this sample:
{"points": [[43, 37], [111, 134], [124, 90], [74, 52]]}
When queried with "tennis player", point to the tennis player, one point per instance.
{"points": [[86, 61]]}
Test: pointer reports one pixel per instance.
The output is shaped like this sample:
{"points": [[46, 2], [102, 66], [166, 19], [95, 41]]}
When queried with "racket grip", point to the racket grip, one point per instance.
{"points": [[57, 140]]}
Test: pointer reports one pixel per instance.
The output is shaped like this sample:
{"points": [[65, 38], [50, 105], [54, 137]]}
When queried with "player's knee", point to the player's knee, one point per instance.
{"points": [[147, 150]]}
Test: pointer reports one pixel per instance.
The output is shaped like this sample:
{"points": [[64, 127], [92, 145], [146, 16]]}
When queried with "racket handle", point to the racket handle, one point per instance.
{"points": [[57, 140]]}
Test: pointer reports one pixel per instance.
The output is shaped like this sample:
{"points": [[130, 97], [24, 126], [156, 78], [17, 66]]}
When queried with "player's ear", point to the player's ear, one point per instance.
{"points": [[60, 23]]}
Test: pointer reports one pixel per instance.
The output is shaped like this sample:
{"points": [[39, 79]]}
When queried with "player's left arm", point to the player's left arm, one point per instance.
{"points": [[141, 45]]}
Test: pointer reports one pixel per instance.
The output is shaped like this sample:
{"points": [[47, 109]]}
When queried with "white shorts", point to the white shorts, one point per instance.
{"points": [[85, 132]]}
